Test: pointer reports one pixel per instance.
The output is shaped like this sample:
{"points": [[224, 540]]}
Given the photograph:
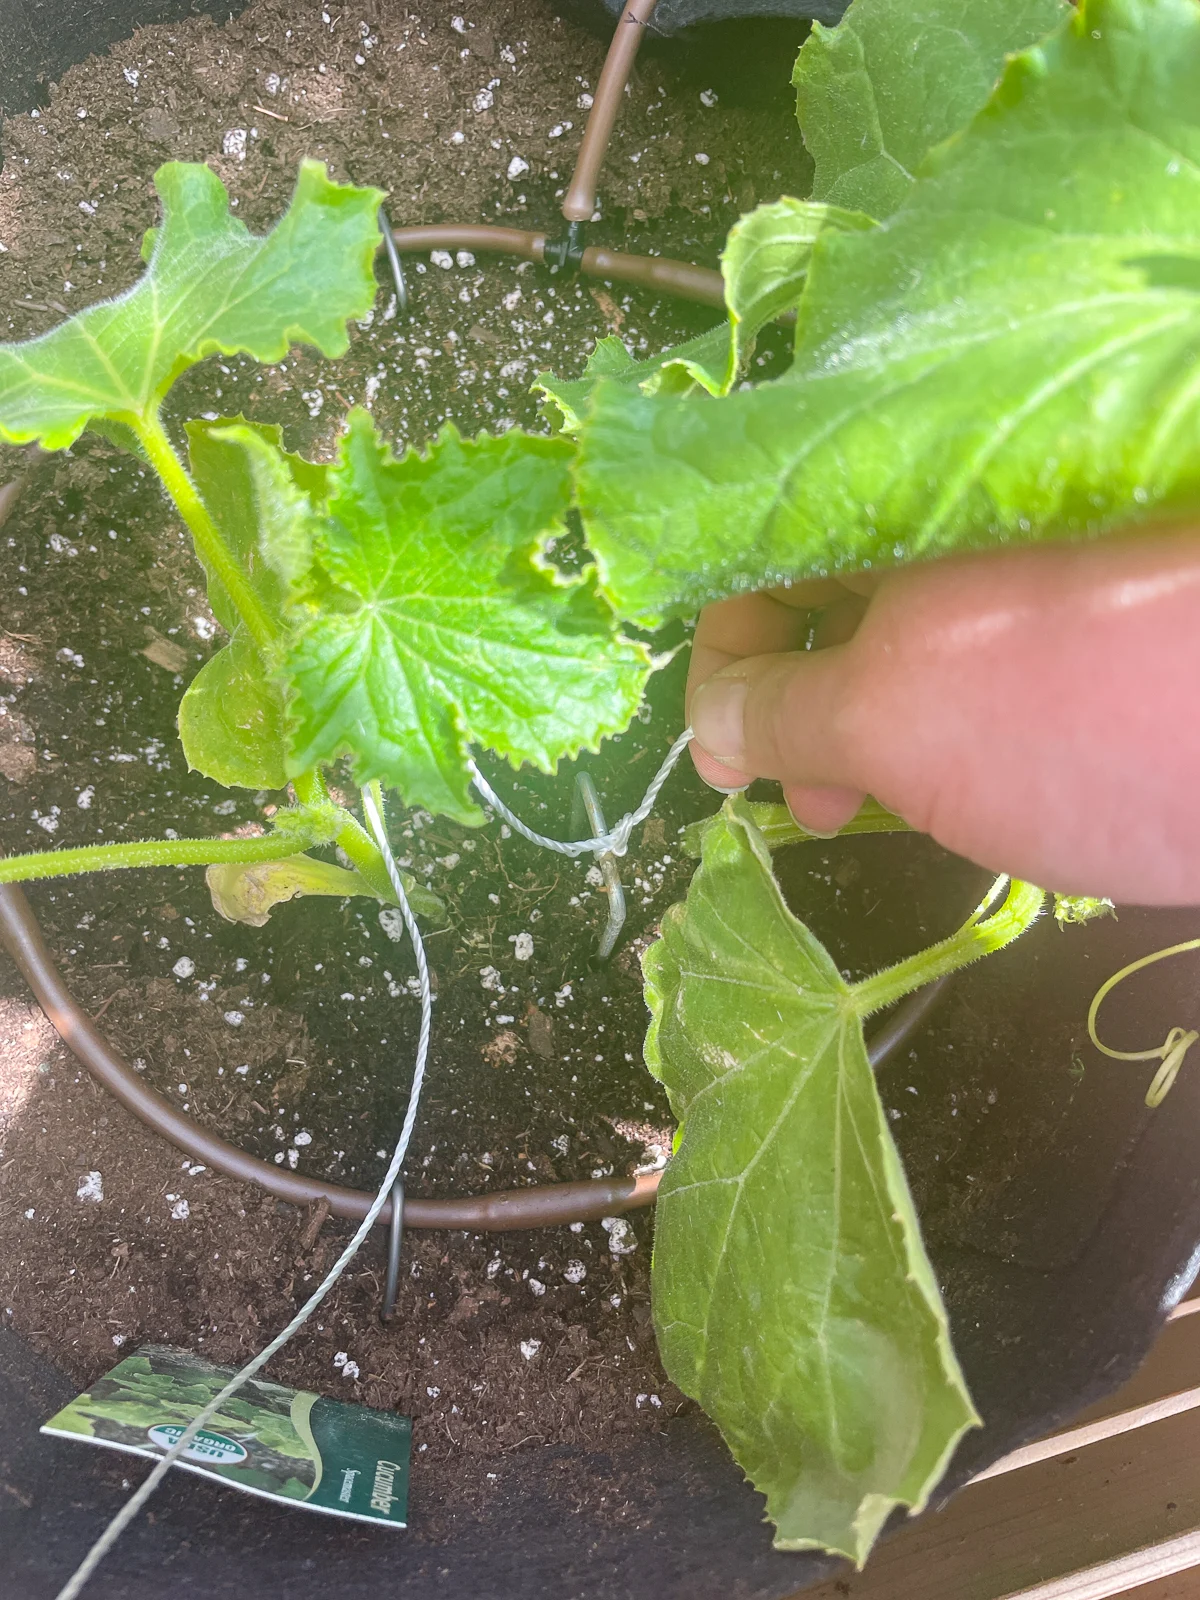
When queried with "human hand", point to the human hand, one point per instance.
{"points": [[1034, 710]]}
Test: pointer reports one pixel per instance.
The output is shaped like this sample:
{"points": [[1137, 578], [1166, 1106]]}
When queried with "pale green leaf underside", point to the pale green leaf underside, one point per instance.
{"points": [[876, 93], [210, 286], [231, 719], [792, 1295], [764, 265], [249, 893], [1014, 355], [430, 621]]}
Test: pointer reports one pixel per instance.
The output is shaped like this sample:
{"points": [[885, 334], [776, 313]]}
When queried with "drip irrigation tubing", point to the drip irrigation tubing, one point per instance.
{"points": [[538, 1206], [662, 273]]}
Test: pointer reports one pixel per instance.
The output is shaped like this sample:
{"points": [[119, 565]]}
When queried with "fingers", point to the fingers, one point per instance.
{"points": [[1032, 710], [727, 633]]}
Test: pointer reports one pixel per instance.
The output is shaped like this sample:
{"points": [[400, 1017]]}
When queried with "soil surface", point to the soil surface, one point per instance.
{"points": [[297, 1041]]}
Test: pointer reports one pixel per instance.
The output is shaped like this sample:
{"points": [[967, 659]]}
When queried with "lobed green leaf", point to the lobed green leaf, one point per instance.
{"points": [[429, 618], [792, 1294], [875, 94], [210, 285], [1011, 357]]}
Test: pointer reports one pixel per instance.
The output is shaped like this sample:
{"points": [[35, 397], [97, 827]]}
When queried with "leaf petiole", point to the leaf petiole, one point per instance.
{"points": [[212, 548], [978, 936]]}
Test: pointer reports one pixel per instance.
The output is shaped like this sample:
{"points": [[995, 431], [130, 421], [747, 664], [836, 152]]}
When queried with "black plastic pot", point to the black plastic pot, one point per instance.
{"points": [[1063, 1222]]}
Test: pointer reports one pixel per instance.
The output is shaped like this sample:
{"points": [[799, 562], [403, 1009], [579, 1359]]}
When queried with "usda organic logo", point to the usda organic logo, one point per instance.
{"points": [[213, 1449]]}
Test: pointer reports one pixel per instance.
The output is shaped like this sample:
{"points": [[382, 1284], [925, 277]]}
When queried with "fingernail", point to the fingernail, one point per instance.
{"points": [[720, 788], [718, 707]]}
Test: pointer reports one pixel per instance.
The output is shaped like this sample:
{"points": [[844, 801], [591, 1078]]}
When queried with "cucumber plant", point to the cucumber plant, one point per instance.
{"points": [[994, 286]]}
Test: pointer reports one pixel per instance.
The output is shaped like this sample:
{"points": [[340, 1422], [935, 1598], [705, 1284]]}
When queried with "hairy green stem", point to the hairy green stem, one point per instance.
{"points": [[151, 853], [209, 543], [352, 838], [974, 939]]}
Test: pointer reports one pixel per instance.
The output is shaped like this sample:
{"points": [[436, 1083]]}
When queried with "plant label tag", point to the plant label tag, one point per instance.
{"points": [[284, 1444]]}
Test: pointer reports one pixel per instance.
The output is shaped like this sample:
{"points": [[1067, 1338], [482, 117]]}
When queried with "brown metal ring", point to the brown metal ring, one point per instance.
{"points": [[539, 1206]]}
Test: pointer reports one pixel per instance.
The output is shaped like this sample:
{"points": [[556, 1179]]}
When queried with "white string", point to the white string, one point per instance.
{"points": [[616, 840], [371, 807]]}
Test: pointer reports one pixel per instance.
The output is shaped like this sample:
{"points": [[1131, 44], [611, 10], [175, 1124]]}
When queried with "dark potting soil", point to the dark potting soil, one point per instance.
{"points": [[297, 1040]]}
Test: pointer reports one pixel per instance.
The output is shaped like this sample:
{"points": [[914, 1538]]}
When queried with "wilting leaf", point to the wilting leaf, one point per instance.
{"points": [[249, 893], [792, 1294]]}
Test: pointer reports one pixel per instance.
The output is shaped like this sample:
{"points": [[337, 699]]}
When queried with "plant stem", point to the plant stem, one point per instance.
{"points": [[976, 938], [149, 853], [351, 837], [210, 545]]}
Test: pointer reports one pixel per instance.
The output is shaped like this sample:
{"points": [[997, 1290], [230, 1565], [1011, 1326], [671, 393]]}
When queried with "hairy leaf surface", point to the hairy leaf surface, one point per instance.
{"points": [[792, 1294], [430, 620], [210, 285], [876, 93], [1012, 356], [703, 360]]}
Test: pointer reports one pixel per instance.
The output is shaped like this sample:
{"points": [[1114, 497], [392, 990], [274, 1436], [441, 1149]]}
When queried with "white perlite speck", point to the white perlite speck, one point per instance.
{"points": [[522, 946], [530, 1348], [441, 258], [234, 143], [180, 1211], [392, 924], [234, 1018], [184, 967], [536, 1288], [574, 1272], [489, 978], [91, 1187], [622, 1241], [85, 797], [517, 167]]}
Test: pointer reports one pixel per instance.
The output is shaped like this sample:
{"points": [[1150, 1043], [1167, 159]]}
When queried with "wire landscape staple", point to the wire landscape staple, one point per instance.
{"points": [[615, 841]]}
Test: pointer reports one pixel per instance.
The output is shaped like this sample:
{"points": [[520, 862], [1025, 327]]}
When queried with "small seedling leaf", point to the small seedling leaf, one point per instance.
{"points": [[792, 1294]]}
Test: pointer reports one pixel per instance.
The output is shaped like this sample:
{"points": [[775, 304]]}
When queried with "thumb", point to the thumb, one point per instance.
{"points": [[784, 717]]}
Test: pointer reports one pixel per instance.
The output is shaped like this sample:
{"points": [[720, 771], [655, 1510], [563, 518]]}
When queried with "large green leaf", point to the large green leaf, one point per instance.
{"points": [[1012, 356], [210, 286], [430, 619], [231, 720], [896, 77], [792, 1294]]}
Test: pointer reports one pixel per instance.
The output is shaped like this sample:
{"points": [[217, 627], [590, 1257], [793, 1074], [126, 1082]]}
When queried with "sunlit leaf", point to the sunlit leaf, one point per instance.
{"points": [[1011, 357], [211, 285], [431, 621]]}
